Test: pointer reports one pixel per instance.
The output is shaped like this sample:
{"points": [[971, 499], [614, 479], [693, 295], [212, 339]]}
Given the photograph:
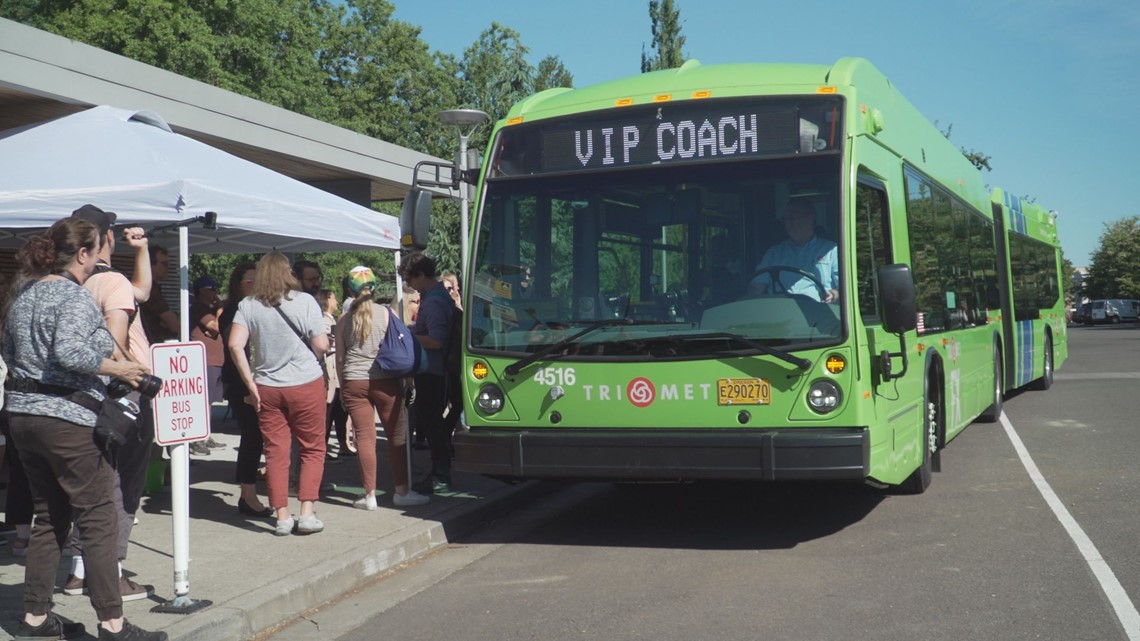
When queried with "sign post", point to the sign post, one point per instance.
{"points": [[181, 416]]}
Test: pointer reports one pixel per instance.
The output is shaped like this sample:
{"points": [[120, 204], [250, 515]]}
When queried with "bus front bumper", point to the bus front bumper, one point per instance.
{"points": [[770, 455]]}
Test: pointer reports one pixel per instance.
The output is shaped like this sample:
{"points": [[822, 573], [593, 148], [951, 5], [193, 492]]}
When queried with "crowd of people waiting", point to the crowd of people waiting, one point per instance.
{"points": [[293, 371]]}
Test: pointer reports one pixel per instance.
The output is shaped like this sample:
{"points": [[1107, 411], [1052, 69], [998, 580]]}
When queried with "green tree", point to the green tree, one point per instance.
{"points": [[259, 48], [552, 73], [348, 62], [492, 76], [495, 75], [1115, 268], [667, 44], [384, 79]]}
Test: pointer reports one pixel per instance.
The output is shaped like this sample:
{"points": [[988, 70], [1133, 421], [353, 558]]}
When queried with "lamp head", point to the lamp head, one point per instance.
{"points": [[462, 117]]}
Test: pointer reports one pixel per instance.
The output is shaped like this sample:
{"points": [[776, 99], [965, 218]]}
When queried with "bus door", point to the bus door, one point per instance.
{"points": [[894, 403]]}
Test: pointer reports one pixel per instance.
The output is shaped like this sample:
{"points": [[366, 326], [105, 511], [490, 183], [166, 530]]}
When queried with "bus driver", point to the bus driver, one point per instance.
{"points": [[802, 250]]}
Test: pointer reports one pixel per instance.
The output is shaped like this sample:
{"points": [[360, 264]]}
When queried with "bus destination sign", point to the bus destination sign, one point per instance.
{"points": [[684, 132]]}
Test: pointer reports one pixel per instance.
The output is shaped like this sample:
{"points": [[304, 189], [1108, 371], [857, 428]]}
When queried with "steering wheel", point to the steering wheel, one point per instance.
{"points": [[778, 287]]}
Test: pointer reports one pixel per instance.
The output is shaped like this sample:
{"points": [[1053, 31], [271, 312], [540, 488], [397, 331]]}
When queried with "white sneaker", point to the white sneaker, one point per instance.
{"points": [[411, 498], [285, 528], [309, 525], [365, 503]]}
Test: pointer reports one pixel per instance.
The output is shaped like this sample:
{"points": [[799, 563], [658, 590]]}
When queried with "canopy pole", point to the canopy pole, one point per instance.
{"points": [[407, 410], [180, 465]]}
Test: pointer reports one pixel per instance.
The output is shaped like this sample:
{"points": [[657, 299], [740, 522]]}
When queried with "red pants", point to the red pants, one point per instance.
{"points": [[386, 395], [293, 411]]}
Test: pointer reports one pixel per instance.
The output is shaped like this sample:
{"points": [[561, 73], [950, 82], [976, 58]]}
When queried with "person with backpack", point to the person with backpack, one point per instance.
{"points": [[433, 329], [366, 389]]}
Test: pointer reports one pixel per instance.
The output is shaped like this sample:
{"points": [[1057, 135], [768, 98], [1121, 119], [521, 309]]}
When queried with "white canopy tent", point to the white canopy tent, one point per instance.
{"points": [[130, 162]]}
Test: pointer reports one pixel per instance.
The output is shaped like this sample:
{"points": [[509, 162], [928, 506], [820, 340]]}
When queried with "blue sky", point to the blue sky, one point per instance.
{"points": [[1047, 88]]}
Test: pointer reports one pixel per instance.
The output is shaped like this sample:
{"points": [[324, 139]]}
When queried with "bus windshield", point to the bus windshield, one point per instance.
{"points": [[695, 261]]}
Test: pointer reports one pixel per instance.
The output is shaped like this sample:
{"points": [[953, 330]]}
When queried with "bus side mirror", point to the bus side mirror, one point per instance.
{"points": [[896, 291], [415, 218], [899, 314]]}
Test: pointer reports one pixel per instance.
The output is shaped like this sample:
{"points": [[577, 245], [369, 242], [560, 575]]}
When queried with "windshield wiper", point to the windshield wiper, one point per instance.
{"points": [[801, 363], [516, 367]]}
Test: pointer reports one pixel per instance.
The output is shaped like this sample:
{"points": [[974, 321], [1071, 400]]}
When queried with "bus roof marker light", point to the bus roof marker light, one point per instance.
{"points": [[663, 97], [827, 90], [623, 102], [514, 121], [704, 93]]}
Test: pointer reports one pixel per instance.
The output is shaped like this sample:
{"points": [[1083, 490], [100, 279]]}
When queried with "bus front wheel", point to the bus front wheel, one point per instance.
{"points": [[919, 480]]}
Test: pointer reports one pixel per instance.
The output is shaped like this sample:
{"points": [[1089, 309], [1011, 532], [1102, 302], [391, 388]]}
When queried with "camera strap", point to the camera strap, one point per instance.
{"points": [[31, 386]]}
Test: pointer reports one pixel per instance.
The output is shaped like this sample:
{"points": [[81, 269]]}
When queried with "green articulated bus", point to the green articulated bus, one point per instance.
{"points": [[746, 271]]}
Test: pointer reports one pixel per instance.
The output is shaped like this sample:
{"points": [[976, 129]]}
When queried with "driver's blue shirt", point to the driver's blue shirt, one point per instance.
{"points": [[818, 256]]}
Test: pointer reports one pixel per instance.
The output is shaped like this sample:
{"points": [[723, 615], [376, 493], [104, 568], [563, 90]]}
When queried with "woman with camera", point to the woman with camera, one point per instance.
{"points": [[57, 346]]}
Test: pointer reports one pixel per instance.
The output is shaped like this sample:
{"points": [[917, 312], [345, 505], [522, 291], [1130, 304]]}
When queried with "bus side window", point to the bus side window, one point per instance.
{"points": [[872, 244]]}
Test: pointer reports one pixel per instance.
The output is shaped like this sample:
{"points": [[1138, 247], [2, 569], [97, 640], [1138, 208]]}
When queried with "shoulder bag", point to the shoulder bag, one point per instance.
{"points": [[303, 340]]}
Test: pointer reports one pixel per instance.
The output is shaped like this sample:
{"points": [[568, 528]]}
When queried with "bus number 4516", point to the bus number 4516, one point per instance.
{"points": [[555, 376]]}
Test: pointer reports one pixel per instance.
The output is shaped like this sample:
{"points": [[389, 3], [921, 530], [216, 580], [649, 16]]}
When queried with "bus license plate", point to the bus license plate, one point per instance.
{"points": [[743, 391]]}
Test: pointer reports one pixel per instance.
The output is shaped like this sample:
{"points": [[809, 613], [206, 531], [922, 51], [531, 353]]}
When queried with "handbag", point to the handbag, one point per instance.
{"points": [[118, 421], [117, 418]]}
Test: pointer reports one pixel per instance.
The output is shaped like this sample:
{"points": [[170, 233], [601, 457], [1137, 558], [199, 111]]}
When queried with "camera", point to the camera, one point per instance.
{"points": [[149, 386]]}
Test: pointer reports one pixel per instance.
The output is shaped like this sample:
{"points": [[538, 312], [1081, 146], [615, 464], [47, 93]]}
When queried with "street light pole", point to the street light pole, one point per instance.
{"points": [[467, 120]]}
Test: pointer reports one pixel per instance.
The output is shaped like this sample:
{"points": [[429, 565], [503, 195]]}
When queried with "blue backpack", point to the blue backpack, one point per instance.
{"points": [[400, 353]]}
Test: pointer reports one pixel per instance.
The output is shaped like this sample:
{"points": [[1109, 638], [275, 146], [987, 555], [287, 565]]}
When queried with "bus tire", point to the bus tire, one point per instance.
{"points": [[920, 479], [1046, 380], [993, 412]]}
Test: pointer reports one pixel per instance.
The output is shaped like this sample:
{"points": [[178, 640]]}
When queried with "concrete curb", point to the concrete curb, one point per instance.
{"points": [[283, 600]]}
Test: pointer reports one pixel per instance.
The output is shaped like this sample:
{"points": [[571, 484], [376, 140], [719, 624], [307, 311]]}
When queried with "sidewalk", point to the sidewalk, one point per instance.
{"points": [[255, 579]]}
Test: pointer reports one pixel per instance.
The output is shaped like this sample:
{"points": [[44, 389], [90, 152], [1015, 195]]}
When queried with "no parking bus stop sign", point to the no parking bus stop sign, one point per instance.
{"points": [[182, 407]]}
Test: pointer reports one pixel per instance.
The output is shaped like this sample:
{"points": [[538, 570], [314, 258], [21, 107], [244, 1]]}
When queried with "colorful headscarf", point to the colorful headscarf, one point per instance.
{"points": [[359, 278]]}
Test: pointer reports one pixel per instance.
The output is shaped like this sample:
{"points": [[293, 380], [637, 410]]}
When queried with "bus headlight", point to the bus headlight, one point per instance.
{"points": [[824, 396], [490, 399]]}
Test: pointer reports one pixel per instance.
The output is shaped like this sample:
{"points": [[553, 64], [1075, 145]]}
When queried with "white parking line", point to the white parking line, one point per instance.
{"points": [[1125, 612]]}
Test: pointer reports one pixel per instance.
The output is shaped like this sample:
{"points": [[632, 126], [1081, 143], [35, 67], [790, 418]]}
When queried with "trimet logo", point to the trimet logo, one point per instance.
{"points": [[641, 392]]}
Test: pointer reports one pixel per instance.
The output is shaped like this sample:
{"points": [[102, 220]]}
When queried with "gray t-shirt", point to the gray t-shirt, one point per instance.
{"points": [[278, 357]]}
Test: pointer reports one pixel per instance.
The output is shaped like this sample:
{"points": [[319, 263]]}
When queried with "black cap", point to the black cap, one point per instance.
{"points": [[92, 214]]}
